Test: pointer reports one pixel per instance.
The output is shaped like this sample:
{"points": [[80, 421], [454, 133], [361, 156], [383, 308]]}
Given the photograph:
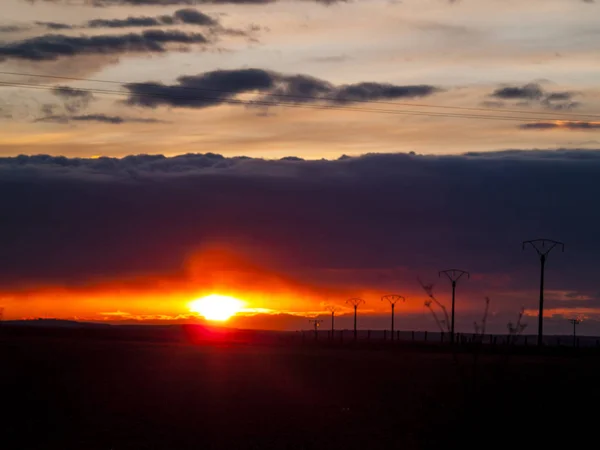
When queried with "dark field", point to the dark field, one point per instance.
{"points": [[83, 393]]}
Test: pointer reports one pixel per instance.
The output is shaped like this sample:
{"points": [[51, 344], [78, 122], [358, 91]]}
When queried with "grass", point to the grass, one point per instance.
{"points": [[67, 392]]}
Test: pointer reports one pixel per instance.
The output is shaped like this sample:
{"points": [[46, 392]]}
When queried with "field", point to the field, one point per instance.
{"points": [[73, 392]]}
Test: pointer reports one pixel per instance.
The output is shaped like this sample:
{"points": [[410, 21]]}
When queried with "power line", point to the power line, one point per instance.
{"points": [[287, 105], [331, 99]]}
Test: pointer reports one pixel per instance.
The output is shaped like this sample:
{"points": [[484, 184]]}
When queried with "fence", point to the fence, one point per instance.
{"points": [[341, 336]]}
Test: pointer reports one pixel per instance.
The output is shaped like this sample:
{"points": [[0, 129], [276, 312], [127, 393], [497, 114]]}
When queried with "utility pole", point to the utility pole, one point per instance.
{"points": [[392, 299], [332, 309], [355, 302], [575, 322], [543, 247], [317, 324], [453, 275]]}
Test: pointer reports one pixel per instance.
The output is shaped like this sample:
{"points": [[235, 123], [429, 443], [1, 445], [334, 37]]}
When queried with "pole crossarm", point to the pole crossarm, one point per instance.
{"points": [[454, 274], [316, 322], [332, 309], [393, 298], [544, 246], [355, 302]]}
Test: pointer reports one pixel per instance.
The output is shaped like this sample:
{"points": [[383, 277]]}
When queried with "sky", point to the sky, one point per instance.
{"points": [[297, 153]]}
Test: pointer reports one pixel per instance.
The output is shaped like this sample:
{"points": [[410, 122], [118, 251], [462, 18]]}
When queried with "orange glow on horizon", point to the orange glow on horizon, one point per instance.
{"points": [[167, 297]]}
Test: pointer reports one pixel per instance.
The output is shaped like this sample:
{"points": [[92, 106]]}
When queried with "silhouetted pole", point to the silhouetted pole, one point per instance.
{"points": [[355, 302], [333, 309], [317, 324], [453, 275], [393, 299], [543, 247], [575, 322]]}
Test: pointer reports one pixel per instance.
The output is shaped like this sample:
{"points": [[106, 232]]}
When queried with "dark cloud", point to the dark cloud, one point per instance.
{"points": [[192, 16], [53, 46], [583, 126], [559, 96], [69, 92], [379, 91], [214, 88], [74, 100], [12, 28], [125, 23], [527, 92], [182, 16], [534, 93], [186, 16], [377, 220], [100, 118], [55, 25], [24, 106]]}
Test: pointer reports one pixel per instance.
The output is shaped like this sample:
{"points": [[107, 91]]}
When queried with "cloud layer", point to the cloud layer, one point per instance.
{"points": [[374, 221]]}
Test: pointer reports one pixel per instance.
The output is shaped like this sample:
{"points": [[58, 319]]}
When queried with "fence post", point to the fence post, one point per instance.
{"points": [[398, 335], [368, 335], [385, 335], [413, 336], [341, 336]]}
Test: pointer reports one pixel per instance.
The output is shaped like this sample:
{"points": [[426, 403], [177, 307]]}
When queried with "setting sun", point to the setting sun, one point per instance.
{"points": [[216, 307]]}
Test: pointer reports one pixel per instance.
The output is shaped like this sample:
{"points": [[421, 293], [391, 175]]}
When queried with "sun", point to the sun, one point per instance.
{"points": [[217, 307]]}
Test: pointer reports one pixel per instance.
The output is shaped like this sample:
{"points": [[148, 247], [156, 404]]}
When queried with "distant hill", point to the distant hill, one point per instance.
{"points": [[54, 323]]}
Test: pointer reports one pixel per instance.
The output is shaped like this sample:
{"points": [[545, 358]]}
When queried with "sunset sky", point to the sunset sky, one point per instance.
{"points": [[386, 140]]}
